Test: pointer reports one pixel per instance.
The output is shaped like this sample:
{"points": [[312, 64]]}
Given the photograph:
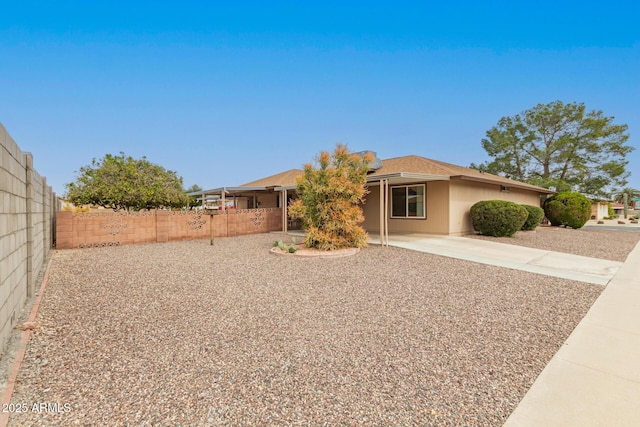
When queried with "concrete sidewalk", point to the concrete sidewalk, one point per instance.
{"points": [[594, 379], [557, 264]]}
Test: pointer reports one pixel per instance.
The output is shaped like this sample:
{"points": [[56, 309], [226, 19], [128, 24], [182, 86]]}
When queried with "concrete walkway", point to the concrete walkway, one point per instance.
{"points": [[557, 264], [594, 379]]}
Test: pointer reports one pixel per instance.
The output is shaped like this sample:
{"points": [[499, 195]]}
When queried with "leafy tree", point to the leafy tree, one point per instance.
{"points": [[329, 200], [618, 195], [559, 146], [122, 182], [193, 200]]}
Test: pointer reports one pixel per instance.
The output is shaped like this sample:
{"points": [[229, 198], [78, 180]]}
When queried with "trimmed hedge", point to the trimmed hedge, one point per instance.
{"points": [[568, 209], [498, 217], [536, 214]]}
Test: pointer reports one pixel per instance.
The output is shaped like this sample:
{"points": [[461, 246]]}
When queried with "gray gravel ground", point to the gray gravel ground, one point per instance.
{"points": [[187, 334], [603, 244]]}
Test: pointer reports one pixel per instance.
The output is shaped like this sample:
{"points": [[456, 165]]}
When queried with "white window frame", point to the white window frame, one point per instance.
{"points": [[406, 195]]}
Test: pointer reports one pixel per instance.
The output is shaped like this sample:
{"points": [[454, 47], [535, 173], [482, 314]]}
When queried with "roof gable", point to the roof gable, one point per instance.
{"points": [[415, 164], [282, 179]]}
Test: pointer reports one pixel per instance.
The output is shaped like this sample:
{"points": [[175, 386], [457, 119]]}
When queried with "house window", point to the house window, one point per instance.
{"points": [[407, 201]]}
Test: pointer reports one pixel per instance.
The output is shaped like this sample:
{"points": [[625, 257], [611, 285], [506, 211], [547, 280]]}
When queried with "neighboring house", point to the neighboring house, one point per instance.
{"points": [[599, 210], [418, 195]]}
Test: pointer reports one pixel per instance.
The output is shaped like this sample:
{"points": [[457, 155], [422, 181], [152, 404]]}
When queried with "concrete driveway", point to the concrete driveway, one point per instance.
{"points": [[557, 264]]}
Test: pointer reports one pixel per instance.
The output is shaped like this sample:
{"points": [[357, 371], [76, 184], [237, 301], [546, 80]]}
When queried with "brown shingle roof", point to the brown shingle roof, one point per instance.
{"points": [[284, 179], [407, 164], [417, 164]]}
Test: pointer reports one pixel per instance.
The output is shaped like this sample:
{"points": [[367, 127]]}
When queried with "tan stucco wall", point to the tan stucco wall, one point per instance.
{"points": [[268, 200], [599, 210], [465, 193], [437, 221]]}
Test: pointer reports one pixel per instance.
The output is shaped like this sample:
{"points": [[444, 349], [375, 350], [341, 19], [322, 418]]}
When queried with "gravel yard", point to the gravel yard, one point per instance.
{"points": [[187, 334], [603, 244]]}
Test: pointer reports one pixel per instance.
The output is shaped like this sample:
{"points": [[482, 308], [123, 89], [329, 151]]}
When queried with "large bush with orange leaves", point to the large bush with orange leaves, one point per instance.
{"points": [[329, 201]]}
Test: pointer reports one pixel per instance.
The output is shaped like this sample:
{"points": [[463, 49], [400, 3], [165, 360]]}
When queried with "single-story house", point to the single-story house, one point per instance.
{"points": [[599, 210], [409, 194]]}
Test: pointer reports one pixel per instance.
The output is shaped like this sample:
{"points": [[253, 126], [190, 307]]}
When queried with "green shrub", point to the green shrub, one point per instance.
{"points": [[292, 248], [536, 214], [498, 217], [568, 209]]}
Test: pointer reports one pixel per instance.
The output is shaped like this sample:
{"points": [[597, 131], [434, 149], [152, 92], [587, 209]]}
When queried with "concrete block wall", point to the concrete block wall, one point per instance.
{"points": [[109, 228], [26, 213]]}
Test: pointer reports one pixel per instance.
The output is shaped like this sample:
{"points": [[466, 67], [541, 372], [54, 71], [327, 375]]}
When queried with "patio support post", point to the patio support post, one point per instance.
{"points": [[283, 205], [211, 228], [381, 213], [386, 212]]}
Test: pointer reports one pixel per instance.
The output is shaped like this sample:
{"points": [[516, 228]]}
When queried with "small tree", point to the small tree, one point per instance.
{"points": [[329, 200], [122, 182]]}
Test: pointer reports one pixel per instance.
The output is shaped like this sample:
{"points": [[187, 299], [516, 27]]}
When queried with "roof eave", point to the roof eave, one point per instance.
{"points": [[513, 184], [227, 190], [408, 175]]}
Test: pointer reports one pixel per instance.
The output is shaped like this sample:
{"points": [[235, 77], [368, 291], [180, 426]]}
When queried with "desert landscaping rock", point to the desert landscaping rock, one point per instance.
{"points": [[188, 334]]}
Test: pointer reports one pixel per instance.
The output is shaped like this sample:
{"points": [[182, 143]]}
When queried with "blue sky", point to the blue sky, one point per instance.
{"points": [[227, 92]]}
